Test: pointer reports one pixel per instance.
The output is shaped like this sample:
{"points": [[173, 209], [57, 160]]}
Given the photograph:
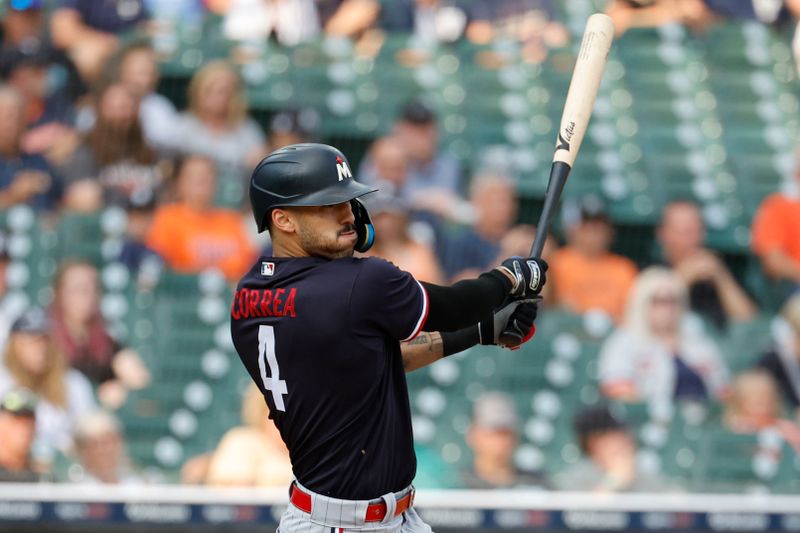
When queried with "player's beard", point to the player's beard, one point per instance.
{"points": [[321, 245]]}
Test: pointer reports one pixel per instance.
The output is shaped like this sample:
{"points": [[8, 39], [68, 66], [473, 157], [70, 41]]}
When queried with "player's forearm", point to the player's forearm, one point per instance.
{"points": [[465, 303], [422, 350]]}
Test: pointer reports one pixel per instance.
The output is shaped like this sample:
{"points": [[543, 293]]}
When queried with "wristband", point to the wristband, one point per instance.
{"points": [[458, 341]]}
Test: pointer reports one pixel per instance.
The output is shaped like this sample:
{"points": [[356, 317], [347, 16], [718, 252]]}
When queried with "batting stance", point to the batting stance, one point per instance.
{"points": [[328, 338]]}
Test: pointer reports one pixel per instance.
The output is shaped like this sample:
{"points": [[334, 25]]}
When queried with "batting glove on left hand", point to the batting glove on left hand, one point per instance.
{"points": [[515, 319], [529, 274]]}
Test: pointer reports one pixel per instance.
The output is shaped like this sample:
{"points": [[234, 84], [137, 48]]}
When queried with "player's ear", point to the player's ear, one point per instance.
{"points": [[283, 220]]}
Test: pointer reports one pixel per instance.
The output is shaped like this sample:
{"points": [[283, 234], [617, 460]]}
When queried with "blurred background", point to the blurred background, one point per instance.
{"points": [[667, 356]]}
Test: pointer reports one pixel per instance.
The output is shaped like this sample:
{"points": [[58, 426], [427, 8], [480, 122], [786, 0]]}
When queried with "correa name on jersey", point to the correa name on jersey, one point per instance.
{"points": [[261, 303]]}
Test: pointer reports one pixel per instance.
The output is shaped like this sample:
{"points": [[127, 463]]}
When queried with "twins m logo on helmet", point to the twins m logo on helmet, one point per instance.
{"points": [[343, 169]]}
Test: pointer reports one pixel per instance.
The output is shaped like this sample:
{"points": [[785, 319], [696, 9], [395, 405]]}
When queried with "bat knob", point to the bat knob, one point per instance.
{"points": [[510, 339]]}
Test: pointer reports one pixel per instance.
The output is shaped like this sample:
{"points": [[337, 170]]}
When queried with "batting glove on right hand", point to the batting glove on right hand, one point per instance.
{"points": [[529, 274], [510, 325]]}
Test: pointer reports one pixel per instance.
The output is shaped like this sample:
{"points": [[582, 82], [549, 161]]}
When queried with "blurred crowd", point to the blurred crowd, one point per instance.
{"points": [[84, 127]]}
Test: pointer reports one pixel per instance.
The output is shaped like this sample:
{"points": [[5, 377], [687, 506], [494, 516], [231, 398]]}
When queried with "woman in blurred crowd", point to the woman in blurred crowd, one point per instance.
{"points": [[783, 361], [216, 123], [657, 355], [248, 455], [80, 333], [114, 155], [33, 361], [138, 71]]}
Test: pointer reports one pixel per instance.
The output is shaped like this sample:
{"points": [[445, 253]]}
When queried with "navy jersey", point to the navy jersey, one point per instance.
{"points": [[321, 338]]}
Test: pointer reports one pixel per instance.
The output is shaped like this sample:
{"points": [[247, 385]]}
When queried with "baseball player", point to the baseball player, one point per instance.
{"points": [[328, 338]]}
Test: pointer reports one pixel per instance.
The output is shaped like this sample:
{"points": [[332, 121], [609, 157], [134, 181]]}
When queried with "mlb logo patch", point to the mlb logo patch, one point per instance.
{"points": [[267, 269]]}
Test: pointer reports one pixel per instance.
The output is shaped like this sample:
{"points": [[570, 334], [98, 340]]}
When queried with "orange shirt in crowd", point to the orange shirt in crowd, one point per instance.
{"points": [[776, 226], [191, 241], [581, 283]]}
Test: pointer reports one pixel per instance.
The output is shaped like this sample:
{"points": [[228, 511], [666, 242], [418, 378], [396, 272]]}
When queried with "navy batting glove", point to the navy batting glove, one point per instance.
{"points": [[529, 275]]}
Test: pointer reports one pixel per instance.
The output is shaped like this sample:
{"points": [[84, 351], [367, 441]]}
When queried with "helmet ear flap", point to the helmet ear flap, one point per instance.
{"points": [[365, 231]]}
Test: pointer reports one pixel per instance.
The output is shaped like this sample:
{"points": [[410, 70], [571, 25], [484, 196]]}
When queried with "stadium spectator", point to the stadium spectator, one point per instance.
{"points": [[494, 202], [394, 243], [530, 22], [430, 21], [100, 450], [493, 438], [24, 27], [24, 178], [89, 30], [714, 294], [249, 455], [697, 14], [138, 71], [656, 355], [18, 428], [585, 274], [260, 442], [292, 22], [609, 463], [33, 361], [114, 156], [134, 252], [434, 176], [191, 234], [216, 123], [390, 166], [293, 126], [80, 333], [782, 362], [49, 115], [776, 233]]}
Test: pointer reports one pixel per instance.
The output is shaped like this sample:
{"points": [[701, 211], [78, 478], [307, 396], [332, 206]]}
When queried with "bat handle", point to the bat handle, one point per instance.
{"points": [[558, 177]]}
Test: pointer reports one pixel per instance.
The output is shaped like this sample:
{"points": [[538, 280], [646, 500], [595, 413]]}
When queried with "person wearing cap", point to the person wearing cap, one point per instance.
{"points": [[17, 427], [31, 360], [192, 234], [714, 293], [586, 275], [493, 438], [394, 243], [609, 463]]}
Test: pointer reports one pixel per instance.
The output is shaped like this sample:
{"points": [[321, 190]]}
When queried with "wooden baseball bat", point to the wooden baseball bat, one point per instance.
{"points": [[578, 106]]}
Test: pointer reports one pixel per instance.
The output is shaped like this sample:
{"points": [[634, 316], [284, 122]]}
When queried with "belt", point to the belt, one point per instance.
{"points": [[376, 512]]}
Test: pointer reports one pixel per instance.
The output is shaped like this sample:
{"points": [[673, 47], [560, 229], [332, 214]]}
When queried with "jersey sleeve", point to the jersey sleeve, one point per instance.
{"points": [[388, 299]]}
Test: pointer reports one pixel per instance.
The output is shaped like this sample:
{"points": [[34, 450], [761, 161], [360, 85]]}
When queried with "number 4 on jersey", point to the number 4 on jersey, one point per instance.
{"points": [[266, 350]]}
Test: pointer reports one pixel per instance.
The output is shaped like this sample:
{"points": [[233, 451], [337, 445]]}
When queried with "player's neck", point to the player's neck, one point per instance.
{"points": [[288, 249]]}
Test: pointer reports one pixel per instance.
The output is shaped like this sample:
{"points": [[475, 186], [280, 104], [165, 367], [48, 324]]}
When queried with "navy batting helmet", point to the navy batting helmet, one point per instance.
{"points": [[309, 174]]}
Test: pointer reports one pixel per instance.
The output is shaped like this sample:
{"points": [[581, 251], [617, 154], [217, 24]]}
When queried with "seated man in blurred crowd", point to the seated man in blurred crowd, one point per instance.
{"points": [[18, 427], [192, 234], [610, 452], [493, 438], [100, 450], [714, 294], [434, 177], [585, 274], [494, 203], [88, 30], [782, 362], [394, 243], [776, 233], [24, 178]]}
